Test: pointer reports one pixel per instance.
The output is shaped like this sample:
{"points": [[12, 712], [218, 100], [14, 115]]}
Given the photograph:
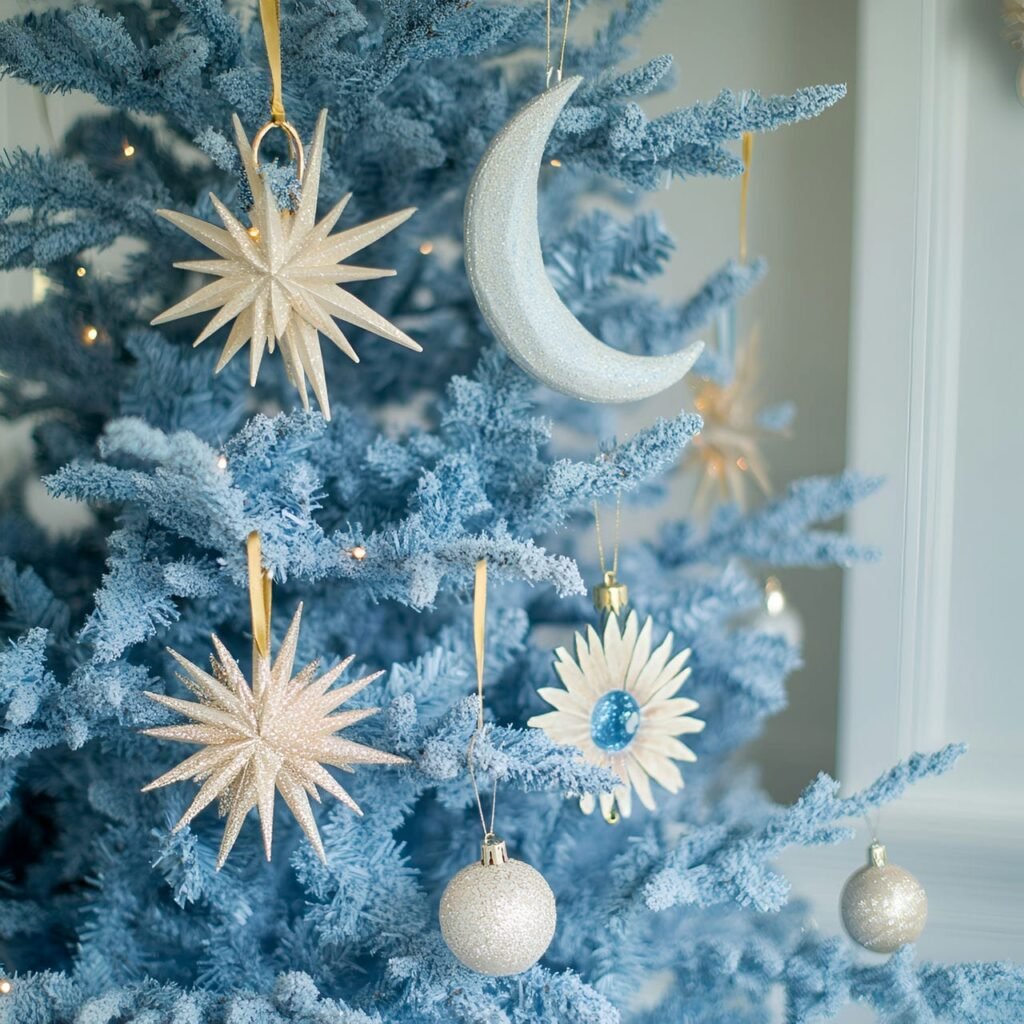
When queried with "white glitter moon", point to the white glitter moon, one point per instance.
{"points": [[506, 271]]}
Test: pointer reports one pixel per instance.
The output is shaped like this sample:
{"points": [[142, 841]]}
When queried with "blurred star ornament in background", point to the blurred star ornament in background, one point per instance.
{"points": [[883, 906], [1013, 18], [727, 454], [280, 277], [620, 708], [275, 735]]}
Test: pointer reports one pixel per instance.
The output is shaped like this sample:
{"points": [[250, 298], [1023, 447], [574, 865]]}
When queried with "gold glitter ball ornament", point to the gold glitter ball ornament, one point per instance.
{"points": [[274, 736], [883, 906], [498, 915]]}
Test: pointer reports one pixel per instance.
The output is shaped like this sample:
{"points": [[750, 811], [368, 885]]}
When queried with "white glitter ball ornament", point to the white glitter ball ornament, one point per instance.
{"points": [[883, 906], [498, 915]]}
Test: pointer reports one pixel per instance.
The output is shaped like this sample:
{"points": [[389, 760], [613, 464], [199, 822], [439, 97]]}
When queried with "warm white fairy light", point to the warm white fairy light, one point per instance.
{"points": [[774, 598]]}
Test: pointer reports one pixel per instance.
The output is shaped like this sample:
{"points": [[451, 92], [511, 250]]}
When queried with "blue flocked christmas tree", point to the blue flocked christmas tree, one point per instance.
{"points": [[375, 521]]}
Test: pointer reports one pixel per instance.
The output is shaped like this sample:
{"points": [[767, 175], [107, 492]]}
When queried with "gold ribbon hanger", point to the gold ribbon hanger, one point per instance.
{"points": [[480, 650], [748, 152], [610, 596], [260, 584]]}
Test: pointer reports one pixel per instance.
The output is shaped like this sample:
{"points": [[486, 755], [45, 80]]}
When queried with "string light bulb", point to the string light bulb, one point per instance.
{"points": [[127, 150], [80, 271], [222, 462], [253, 233], [774, 597], [555, 162], [6, 987], [90, 335], [358, 552], [427, 248]]}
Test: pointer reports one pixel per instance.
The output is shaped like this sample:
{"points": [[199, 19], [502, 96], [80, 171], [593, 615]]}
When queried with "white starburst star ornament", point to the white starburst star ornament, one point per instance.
{"points": [[274, 736], [620, 708], [279, 279]]}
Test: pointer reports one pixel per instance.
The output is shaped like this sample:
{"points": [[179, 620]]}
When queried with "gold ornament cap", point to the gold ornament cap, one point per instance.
{"points": [[876, 855], [493, 851], [610, 596]]}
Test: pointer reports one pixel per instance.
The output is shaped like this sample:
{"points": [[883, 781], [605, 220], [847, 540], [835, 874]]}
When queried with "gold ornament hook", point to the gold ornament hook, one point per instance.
{"points": [[294, 145], [260, 583], [610, 596]]}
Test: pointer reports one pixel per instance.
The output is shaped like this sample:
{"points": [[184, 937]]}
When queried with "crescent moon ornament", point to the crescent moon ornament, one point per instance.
{"points": [[506, 271]]}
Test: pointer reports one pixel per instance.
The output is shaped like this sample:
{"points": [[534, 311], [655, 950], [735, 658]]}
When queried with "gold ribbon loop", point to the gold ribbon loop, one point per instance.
{"points": [[479, 647], [480, 632], [748, 152], [260, 584], [550, 70], [270, 18]]}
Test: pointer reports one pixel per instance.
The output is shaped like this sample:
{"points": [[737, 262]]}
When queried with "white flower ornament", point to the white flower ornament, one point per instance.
{"points": [[620, 708]]}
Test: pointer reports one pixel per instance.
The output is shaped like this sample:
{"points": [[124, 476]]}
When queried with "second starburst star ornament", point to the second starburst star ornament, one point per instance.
{"points": [[273, 736], [280, 278]]}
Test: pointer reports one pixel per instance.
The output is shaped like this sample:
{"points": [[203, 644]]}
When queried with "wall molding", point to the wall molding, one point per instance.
{"points": [[906, 329]]}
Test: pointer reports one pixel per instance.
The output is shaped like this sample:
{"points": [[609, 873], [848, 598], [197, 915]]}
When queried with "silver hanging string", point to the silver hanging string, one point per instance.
{"points": [[550, 69]]}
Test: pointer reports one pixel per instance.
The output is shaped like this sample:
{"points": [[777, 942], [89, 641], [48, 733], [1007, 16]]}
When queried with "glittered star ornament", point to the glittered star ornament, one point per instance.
{"points": [[621, 708], [727, 452], [279, 279], [274, 736]]}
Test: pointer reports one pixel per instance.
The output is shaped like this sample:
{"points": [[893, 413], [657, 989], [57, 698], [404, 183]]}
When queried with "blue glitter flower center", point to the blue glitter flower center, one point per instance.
{"points": [[615, 720]]}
